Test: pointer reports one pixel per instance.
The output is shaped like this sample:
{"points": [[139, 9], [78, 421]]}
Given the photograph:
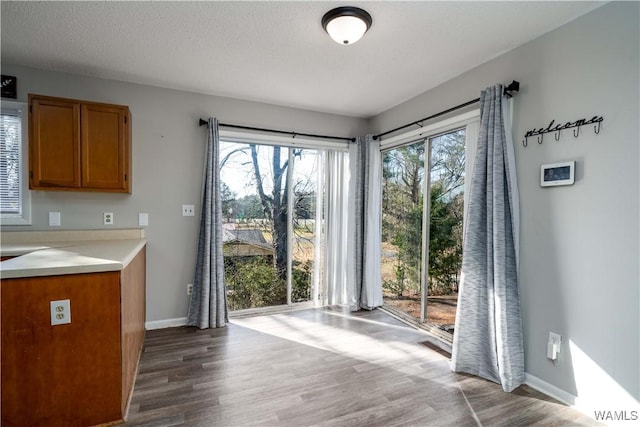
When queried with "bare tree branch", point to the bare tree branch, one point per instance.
{"points": [[228, 156], [264, 199]]}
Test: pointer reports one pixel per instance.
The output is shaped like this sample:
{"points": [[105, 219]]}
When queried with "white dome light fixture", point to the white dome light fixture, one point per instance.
{"points": [[346, 25]]}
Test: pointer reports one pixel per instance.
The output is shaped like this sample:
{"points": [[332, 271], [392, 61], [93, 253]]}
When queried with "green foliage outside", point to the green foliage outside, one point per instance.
{"points": [[403, 174], [403, 199], [398, 286], [301, 284], [445, 242], [253, 282]]}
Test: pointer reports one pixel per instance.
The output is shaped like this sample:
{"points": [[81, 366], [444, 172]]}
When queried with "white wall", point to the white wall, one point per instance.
{"points": [[168, 148], [579, 271]]}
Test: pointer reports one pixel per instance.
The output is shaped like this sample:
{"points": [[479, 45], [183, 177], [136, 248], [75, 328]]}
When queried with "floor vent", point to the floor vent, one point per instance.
{"points": [[439, 347]]}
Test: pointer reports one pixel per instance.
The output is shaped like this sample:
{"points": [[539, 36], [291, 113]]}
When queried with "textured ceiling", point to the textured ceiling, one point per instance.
{"points": [[275, 52]]}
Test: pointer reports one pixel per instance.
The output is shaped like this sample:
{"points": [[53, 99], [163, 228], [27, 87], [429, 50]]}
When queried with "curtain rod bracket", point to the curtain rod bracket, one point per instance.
{"points": [[514, 86]]}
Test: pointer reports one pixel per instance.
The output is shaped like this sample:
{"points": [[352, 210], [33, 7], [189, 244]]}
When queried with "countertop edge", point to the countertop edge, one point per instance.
{"points": [[57, 267], [60, 271], [127, 260]]}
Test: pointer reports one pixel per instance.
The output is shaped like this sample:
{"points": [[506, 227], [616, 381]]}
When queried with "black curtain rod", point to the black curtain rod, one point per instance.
{"points": [[513, 87], [284, 132]]}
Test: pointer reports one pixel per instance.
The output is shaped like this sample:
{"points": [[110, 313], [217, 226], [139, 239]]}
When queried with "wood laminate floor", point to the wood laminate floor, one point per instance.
{"points": [[324, 367]]}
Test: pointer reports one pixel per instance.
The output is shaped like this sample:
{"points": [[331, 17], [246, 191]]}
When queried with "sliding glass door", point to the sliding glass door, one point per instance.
{"points": [[270, 202], [422, 224]]}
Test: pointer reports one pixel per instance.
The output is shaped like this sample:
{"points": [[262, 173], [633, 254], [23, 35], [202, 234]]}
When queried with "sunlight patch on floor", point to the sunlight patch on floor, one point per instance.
{"points": [[401, 356]]}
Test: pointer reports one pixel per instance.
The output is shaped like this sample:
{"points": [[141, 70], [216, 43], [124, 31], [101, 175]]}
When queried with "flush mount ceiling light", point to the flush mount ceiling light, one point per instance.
{"points": [[347, 24]]}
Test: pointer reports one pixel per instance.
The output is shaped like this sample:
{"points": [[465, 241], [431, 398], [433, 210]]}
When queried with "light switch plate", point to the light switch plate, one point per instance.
{"points": [[143, 219], [54, 219], [60, 312]]}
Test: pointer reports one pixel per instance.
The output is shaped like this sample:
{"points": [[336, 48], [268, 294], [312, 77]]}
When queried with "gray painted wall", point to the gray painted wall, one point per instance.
{"points": [[168, 150], [579, 268]]}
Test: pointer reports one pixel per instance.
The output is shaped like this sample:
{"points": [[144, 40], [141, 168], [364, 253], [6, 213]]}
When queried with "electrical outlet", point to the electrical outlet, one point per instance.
{"points": [[188, 210], [189, 289], [108, 218], [60, 312], [553, 346]]}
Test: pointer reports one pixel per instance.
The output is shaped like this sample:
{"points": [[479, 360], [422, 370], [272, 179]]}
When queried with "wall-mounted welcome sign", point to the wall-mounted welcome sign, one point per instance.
{"points": [[9, 86], [595, 120]]}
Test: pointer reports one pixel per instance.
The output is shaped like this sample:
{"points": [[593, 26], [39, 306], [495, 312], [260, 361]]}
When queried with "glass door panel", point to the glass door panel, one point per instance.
{"points": [[307, 202], [402, 209], [446, 213], [271, 198], [430, 297], [254, 201]]}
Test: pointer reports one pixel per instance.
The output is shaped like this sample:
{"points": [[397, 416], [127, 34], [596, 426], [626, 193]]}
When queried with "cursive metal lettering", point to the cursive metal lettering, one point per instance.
{"points": [[567, 125], [558, 127]]}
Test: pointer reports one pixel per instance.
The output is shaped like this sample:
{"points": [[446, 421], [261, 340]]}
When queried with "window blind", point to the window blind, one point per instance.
{"points": [[10, 158]]}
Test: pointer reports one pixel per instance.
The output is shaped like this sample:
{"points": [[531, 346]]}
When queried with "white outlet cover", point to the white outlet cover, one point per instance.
{"points": [[54, 219], [108, 218], [143, 219], [60, 312], [188, 210], [554, 346], [555, 338]]}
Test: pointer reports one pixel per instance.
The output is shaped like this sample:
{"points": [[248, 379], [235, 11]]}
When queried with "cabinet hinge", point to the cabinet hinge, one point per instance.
{"points": [[30, 108], [31, 174], [125, 176], [125, 119]]}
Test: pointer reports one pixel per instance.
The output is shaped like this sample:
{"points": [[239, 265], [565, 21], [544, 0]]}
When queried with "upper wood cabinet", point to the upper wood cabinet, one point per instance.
{"points": [[79, 145]]}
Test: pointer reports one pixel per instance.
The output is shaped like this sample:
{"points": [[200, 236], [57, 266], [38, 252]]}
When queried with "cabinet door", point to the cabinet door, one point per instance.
{"points": [[105, 147], [54, 141]]}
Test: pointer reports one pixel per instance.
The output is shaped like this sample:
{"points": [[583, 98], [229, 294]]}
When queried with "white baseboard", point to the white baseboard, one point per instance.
{"points": [[166, 323], [550, 390], [618, 410]]}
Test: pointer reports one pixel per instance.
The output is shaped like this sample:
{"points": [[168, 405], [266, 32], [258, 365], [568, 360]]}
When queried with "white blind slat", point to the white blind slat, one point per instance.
{"points": [[10, 157]]}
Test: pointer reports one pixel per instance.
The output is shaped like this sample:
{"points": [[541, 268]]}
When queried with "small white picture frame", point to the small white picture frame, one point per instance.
{"points": [[555, 174]]}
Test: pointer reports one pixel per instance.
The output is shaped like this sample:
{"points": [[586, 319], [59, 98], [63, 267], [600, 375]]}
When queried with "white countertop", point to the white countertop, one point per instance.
{"points": [[73, 257]]}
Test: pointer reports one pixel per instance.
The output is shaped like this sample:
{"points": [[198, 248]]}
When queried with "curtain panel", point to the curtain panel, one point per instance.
{"points": [[336, 257], [365, 204], [488, 338], [208, 304]]}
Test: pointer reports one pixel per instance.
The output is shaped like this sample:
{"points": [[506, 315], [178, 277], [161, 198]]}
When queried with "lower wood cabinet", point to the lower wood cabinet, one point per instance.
{"points": [[78, 374]]}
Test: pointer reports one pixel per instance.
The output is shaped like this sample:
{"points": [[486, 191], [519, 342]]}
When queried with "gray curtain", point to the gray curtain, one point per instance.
{"points": [[208, 305], [488, 332], [365, 203]]}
